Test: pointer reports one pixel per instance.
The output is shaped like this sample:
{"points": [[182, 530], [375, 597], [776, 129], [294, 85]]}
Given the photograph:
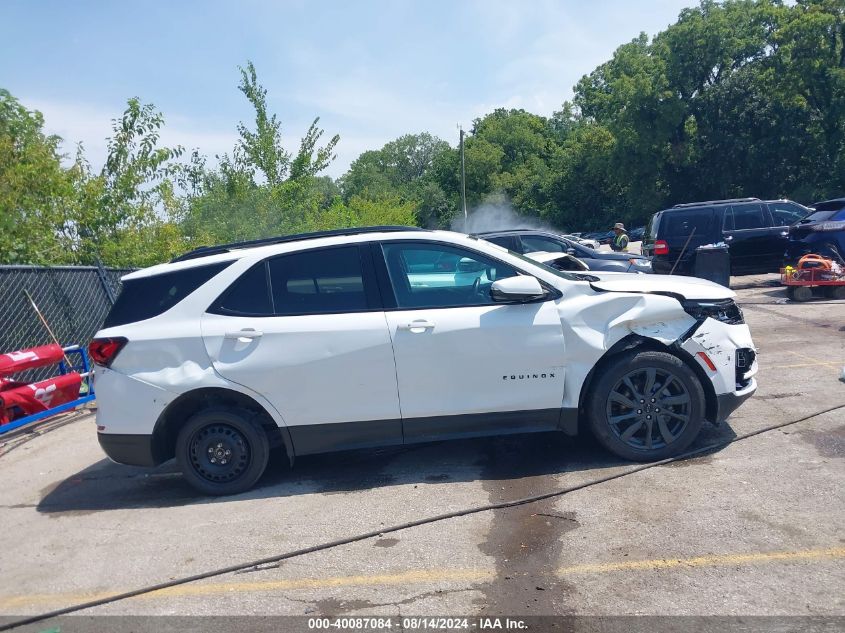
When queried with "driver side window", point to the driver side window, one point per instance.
{"points": [[427, 275]]}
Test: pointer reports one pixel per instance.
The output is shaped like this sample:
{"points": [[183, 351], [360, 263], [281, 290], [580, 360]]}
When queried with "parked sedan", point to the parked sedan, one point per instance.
{"points": [[530, 241], [607, 238], [584, 241]]}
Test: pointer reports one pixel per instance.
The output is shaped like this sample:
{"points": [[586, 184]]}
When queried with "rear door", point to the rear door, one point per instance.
{"points": [[755, 245], [306, 330], [465, 364]]}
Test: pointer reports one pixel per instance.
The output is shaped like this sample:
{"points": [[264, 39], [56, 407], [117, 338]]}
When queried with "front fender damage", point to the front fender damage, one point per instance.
{"points": [[594, 327]]}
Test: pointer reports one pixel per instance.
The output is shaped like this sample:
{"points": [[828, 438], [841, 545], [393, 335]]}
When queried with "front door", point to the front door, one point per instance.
{"points": [[316, 346], [465, 364], [754, 244]]}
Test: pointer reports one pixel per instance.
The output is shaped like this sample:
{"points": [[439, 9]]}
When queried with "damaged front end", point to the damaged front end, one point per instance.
{"points": [[721, 344], [705, 328]]}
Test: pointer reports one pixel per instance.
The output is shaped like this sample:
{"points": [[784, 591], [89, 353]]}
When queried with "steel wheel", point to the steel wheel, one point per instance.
{"points": [[648, 408], [219, 453]]}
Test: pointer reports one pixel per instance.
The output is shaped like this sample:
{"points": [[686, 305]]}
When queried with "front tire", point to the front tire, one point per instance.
{"points": [[222, 451], [646, 406]]}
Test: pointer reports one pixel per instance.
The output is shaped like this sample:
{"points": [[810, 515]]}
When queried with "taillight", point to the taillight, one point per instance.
{"points": [[103, 351], [661, 247]]}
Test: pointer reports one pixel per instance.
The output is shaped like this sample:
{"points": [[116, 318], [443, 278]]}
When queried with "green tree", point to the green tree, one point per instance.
{"points": [[359, 211], [262, 149], [34, 188], [809, 72], [126, 214], [261, 189], [402, 168]]}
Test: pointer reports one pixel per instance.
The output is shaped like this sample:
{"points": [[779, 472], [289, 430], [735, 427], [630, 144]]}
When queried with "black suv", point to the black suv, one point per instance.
{"points": [[755, 230], [530, 241], [822, 232]]}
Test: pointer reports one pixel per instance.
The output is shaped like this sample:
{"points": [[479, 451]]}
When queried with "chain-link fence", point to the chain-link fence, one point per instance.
{"points": [[74, 300]]}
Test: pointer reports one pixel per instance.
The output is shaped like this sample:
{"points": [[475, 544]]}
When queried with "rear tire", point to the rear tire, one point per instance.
{"points": [[222, 450], [646, 406]]}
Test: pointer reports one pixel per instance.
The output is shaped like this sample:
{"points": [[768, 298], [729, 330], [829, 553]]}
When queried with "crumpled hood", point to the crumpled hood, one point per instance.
{"points": [[687, 287]]}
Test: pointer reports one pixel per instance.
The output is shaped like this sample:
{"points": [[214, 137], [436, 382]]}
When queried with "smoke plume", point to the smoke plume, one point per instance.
{"points": [[497, 216]]}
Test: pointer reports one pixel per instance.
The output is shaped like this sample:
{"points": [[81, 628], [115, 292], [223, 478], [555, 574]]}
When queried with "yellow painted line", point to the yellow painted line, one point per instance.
{"points": [[432, 575], [409, 577], [831, 365], [815, 360], [723, 560]]}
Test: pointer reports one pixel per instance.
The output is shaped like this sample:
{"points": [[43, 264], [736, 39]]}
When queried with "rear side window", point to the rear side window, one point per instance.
{"points": [[249, 295], [535, 243], [504, 240], [148, 297], [682, 223], [744, 216], [324, 281]]}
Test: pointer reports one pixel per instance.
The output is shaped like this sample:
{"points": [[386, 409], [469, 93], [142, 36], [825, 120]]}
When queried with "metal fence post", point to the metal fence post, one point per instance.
{"points": [[101, 273]]}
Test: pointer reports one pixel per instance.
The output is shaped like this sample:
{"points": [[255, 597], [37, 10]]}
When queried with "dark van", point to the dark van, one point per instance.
{"points": [[755, 231]]}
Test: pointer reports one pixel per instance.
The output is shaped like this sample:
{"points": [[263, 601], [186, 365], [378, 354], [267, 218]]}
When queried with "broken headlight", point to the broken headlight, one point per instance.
{"points": [[726, 311]]}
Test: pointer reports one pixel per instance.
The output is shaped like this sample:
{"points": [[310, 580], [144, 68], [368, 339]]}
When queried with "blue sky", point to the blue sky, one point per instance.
{"points": [[371, 70]]}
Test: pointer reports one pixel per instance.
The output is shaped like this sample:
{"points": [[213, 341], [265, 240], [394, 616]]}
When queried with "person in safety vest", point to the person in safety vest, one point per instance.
{"points": [[620, 242]]}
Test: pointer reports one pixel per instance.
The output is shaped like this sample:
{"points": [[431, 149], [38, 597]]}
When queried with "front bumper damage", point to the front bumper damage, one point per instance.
{"points": [[726, 354]]}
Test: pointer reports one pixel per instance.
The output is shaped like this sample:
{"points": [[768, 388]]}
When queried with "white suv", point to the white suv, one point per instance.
{"points": [[390, 335]]}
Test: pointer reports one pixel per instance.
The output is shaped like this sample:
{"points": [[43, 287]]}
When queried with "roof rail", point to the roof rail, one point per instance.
{"points": [[699, 204], [204, 251]]}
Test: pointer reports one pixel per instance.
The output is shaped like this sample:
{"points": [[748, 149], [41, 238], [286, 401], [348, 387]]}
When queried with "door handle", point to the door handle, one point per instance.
{"points": [[247, 334], [417, 326]]}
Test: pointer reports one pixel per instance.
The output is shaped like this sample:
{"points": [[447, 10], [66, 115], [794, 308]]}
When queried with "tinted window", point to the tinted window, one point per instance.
{"points": [[682, 223], [249, 295], [651, 227], [830, 205], [322, 281], [534, 243], [505, 240], [418, 286], [823, 215], [147, 297], [784, 213], [744, 216]]}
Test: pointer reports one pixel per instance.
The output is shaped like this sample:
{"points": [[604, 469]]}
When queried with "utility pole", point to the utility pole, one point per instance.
{"points": [[463, 179]]}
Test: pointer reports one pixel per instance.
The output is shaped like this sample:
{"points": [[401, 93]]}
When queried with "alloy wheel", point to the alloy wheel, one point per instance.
{"points": [[648, 408]]}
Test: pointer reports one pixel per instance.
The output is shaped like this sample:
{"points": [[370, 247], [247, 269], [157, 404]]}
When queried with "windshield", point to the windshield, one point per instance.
{"points": [[821, 216]]}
